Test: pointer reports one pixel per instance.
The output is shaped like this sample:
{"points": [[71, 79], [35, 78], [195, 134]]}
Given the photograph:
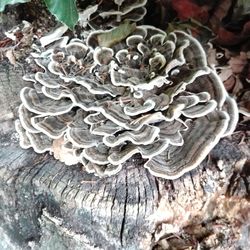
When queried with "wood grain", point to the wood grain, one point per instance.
{"points": [[42, 198]]}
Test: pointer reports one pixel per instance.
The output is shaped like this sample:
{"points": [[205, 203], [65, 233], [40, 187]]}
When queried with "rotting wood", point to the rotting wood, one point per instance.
{"points": [[131, 210]]}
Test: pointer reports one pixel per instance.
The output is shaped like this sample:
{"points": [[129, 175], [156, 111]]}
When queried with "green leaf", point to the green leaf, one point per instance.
{"points": [[245, 5], [241, 9], [64, 10], [3, 3], [108, 39]]}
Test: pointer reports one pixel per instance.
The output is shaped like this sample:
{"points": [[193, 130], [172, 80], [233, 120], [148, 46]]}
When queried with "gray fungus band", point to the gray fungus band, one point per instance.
{"points": [[151, 94]]}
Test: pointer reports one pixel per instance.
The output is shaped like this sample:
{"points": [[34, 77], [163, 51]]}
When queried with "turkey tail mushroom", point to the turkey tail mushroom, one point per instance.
{"points": [[149, 93]]}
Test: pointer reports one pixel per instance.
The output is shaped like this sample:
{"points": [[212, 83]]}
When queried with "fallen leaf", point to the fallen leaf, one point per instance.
{"points": [[107, 39], [62, 153], [6, 42], [53, 35], [196, 28], [238, 87], [238, 62], [244, 104], [220, 11], [211, 56], [229, 83], [187, 9], [10, 55], [85, 15], [225, 73], [226, 37]]}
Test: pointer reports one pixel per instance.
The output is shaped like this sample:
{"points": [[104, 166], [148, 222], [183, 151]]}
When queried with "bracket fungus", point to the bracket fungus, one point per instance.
{"points": [[151, 94]]}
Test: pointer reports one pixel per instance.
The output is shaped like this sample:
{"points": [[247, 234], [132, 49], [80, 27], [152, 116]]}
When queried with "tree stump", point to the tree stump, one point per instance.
{"points": [[47, 205]]}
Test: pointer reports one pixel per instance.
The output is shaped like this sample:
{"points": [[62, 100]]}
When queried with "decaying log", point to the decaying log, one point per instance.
{"points": [[44, 203]]}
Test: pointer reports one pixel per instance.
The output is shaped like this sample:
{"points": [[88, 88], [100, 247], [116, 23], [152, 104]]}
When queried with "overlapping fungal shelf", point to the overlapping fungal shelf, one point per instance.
{"points": [[151, 94], [112, 12]]}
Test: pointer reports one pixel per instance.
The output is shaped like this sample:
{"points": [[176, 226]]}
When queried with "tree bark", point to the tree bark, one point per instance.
{"points": [[47, 205]]}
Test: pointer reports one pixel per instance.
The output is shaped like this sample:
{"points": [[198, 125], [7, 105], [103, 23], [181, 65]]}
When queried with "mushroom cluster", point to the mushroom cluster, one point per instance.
{"points": [[151, 94]]}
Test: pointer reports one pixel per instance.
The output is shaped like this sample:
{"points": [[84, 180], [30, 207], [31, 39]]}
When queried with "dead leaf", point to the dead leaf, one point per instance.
{"points": [[6, 42], [62, 153], [238, 63], [230, 83], [196, 28], [228, 38], [53, 35], [238, 86], [220, 11], [225, 74], [85, 15], [10, 55], [211, 56], [244, 104], [187, 9], [107, 39]]}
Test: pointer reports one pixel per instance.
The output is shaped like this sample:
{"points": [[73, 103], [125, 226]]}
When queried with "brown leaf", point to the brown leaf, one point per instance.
{"points": [[244, 104], [62, 153], [10, 55], [228, 38], [238, 63], [238, 86], [6, 42], [187, 9], [225, 74], [219, 13], [211, 57], [229, 83]]}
